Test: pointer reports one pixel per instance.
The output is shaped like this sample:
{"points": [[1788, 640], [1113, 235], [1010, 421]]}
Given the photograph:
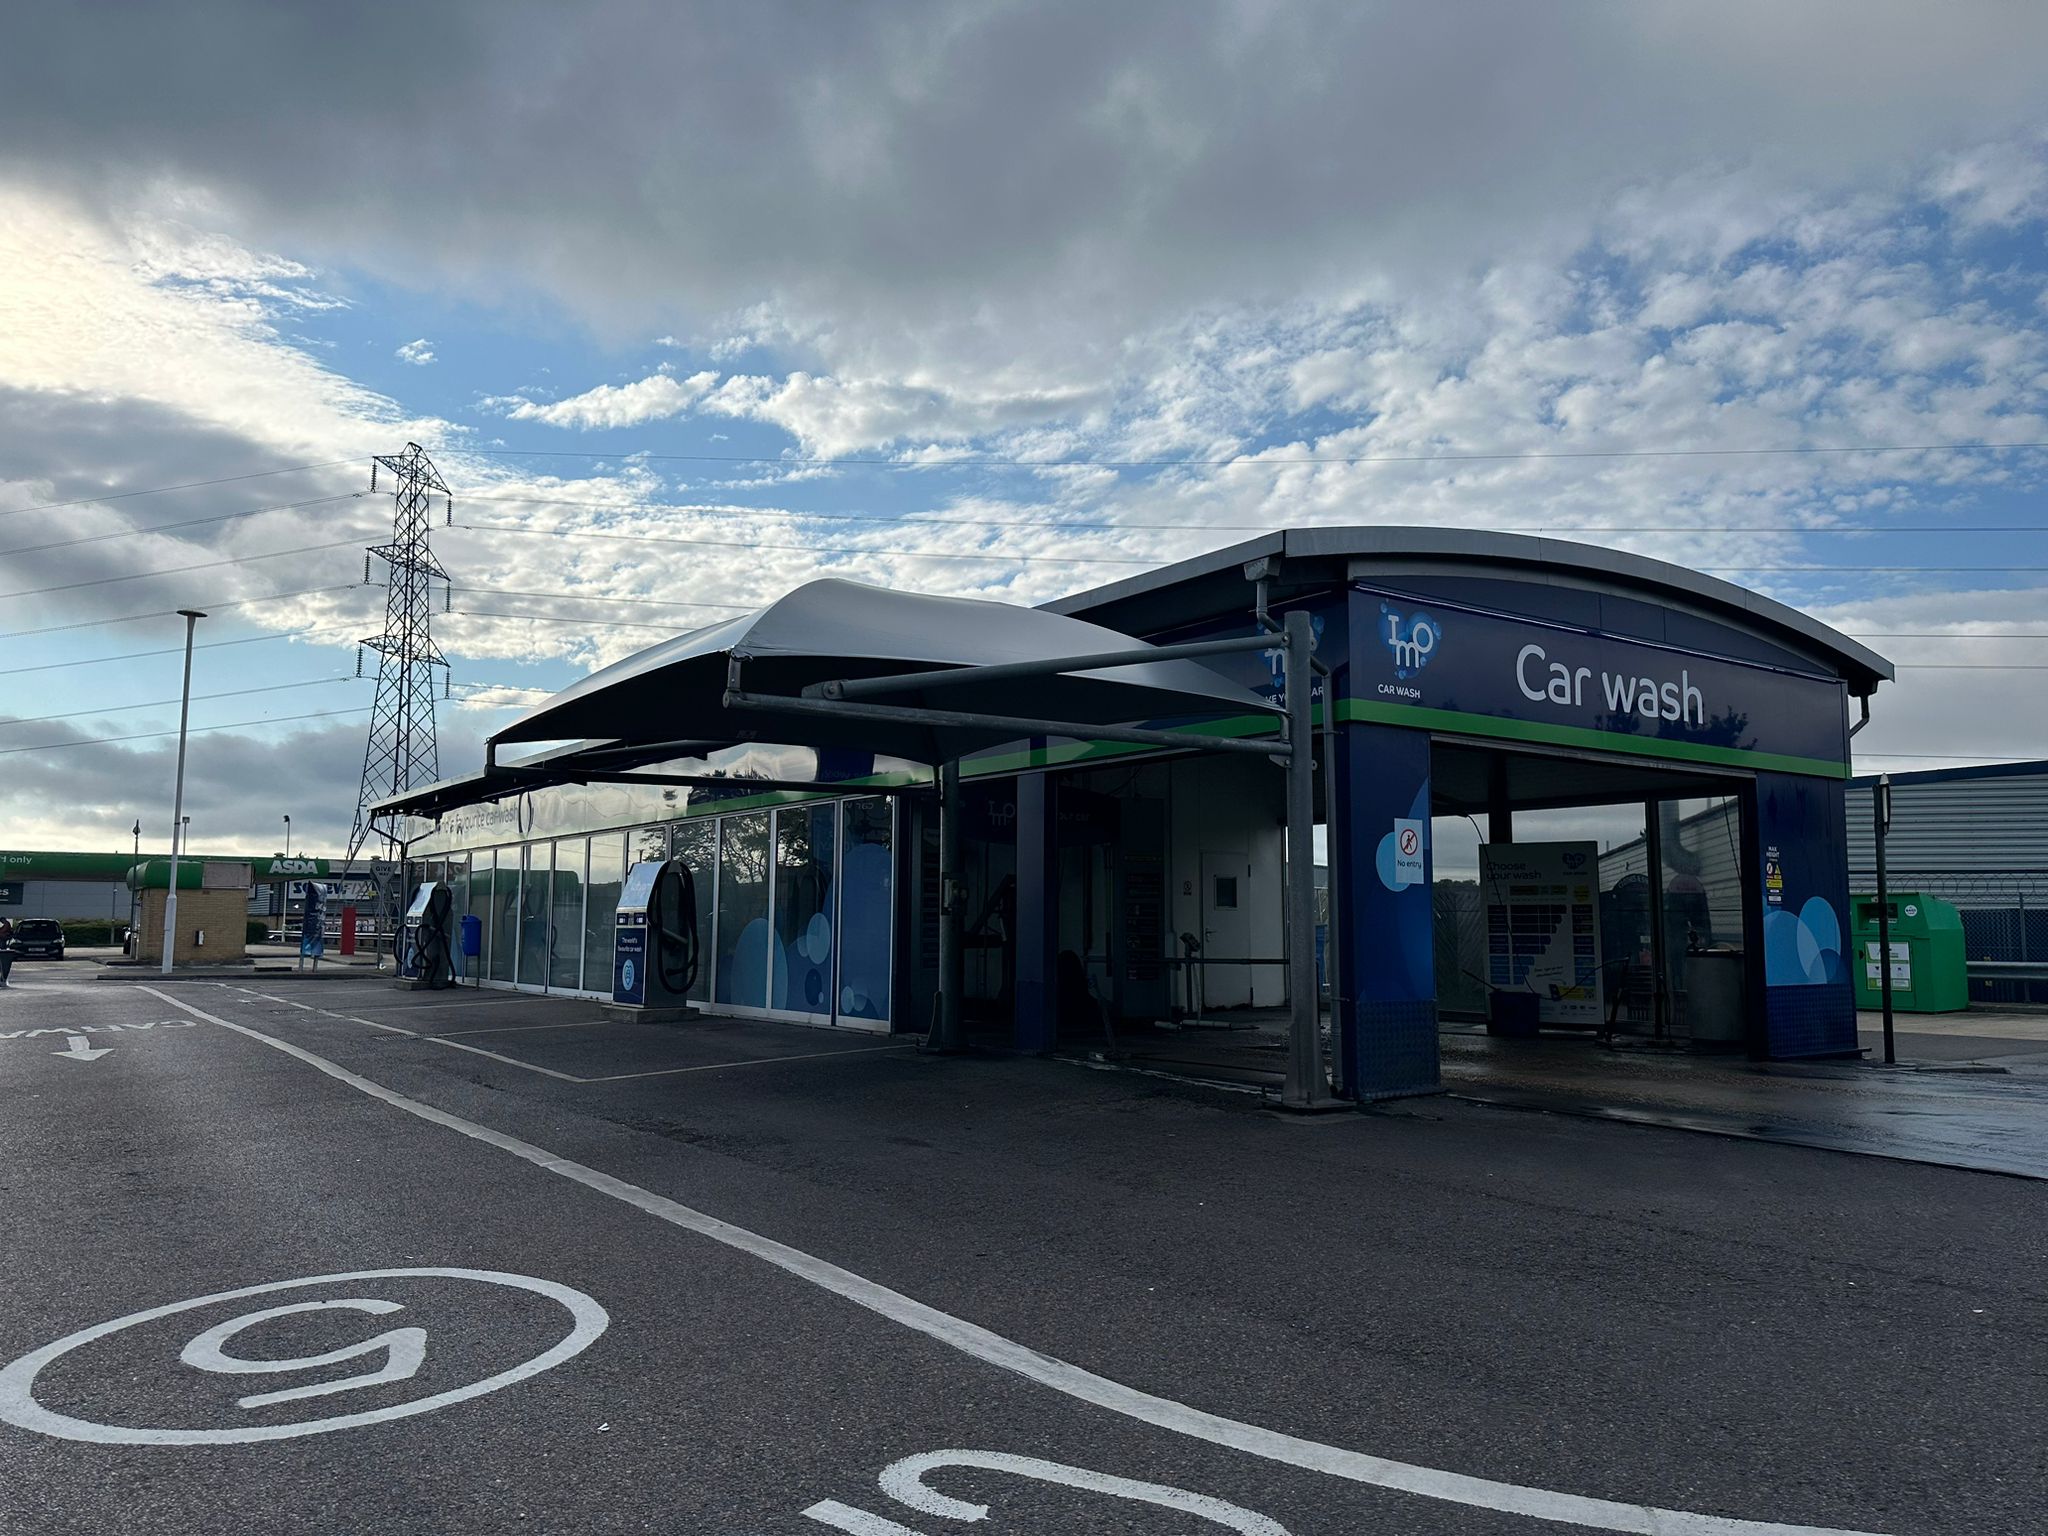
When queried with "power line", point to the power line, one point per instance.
{"points": [[169, 613], [189, 485], [128, 709], [195, 522], [179, 650], [931, 554], [1241, 460], [589, 597], [549, 618], [180, 570], [917, 520], [229, 725], [807, 549], [1238, 460]]}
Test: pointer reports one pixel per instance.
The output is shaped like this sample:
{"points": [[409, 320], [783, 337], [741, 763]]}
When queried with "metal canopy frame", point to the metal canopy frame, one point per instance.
{"points": [[1306, 1086], [866, 699]]}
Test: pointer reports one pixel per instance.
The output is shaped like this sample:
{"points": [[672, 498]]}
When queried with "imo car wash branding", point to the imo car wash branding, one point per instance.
{"points": [[1411, 639], [1559, 682], [1447, 666], [1275, 685]]}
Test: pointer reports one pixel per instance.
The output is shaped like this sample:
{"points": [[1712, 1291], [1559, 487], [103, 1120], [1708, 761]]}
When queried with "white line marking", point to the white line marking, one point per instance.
{"points": [[510, 1061], [520, 1029], [755, 1061], [349, 1018], [904, 1482], [855, 1522], [1073, 1381], [17, 1382], [622, 1077]]}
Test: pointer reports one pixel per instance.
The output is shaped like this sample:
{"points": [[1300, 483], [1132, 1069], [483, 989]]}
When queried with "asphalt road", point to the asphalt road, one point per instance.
{"points": [[711, 1279]]}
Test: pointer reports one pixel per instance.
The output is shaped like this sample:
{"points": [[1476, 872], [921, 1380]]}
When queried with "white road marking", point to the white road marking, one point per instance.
{"points": [[510, 1061], [520, 1029], [1083, 1385], [754, 1061], [18, 1405], [622, 1077], [76, 1049], [904, 1482], [855, 1522], [411, 1034], [404, 1351]]}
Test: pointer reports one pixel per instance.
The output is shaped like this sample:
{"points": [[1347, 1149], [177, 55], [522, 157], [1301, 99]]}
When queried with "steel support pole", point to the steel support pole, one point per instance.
{"points": [[1660, 958], [1305, 1087], [952, 970], [1881, 823], [191, 616], [1340, 1070]]}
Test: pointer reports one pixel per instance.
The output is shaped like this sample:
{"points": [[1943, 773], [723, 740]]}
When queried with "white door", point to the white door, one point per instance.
{"points": [[1226, 929]]}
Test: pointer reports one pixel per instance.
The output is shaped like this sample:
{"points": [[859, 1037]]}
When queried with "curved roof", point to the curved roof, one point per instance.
{"points": [[1318, 556], [676, 692]]}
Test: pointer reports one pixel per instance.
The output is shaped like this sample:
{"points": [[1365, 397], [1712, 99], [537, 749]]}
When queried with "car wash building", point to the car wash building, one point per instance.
{"points": [[1128, 863]]}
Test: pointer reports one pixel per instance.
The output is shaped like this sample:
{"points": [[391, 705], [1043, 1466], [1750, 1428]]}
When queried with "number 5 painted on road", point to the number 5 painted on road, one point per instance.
{"points": [[903, 1481]]}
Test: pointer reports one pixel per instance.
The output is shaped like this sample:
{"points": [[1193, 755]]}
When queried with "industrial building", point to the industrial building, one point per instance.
{"points": [[1977, 838], [1464, 680]]}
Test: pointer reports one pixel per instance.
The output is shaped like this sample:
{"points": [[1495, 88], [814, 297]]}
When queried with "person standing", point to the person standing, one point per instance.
{"points": [[313, 926]]}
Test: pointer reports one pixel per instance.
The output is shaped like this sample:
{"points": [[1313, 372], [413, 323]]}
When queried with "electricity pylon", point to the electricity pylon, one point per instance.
{"points": [[402, 753]]}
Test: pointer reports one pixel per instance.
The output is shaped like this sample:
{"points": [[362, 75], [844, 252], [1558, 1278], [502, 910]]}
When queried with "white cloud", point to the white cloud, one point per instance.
{"points": [[610, 406], [419, 352]]}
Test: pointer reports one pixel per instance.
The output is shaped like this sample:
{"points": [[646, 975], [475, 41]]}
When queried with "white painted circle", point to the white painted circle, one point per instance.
{"points": [[17, 1382]]}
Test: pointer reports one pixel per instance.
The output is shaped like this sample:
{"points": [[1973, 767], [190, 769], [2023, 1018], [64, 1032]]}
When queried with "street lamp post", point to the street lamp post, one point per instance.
{"points": [[191, 616], [134, 944], [287, 837]]}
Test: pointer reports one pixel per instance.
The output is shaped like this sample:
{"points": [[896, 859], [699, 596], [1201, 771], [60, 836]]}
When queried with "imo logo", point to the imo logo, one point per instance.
{"points": [[1573, 861], [1412, 639]]}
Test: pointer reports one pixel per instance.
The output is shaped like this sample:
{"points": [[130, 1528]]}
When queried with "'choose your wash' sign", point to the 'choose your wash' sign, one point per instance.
{"points": [[1497, 674]]}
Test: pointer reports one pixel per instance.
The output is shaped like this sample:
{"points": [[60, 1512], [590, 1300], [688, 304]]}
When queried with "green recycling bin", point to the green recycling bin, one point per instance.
{"points": [[1930, 971]]}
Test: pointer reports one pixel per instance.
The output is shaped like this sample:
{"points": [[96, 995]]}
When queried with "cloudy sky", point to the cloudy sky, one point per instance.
{"points": [[692, 302]]}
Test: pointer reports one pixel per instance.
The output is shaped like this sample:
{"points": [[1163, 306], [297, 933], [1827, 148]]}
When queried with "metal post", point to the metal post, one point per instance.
{"points": [[1305, 1087], [191, 616], [952, 970], [1340, 1071], [134, 945], [1660, 961], [1880, 824]]}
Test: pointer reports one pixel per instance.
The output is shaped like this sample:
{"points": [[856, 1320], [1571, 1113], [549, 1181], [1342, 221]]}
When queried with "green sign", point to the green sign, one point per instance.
{"points": [[24, 864]]}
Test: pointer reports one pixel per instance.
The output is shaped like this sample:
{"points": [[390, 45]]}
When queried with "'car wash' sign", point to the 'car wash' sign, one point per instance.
{"points": [[1442, 666]]}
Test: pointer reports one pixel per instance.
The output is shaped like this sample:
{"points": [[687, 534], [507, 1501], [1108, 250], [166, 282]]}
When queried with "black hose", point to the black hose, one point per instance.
{"points": [[675, 942]]}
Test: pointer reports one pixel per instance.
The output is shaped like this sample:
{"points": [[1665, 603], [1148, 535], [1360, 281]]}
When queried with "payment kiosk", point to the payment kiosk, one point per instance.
{"points": [[427, 959], [655, 943]]}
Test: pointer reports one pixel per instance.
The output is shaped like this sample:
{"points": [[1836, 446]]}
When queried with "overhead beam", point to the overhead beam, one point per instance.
{"points": [[1016, 727], [1003, 671]]}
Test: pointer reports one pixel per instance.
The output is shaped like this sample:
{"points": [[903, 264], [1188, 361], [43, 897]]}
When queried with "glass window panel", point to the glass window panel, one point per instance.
{"points": [[607, 867], [533, 917], [800, 978], [565, 925], [504, 921], [743, 936], [867, 873], [696, 844], [650, 843]]}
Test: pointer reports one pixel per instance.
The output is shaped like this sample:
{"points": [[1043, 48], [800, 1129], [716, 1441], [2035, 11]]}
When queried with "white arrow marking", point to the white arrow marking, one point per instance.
{"points": [[75, 1049]]}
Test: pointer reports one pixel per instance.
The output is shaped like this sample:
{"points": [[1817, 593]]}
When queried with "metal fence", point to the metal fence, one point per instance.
{"points": [[2005, 918]]}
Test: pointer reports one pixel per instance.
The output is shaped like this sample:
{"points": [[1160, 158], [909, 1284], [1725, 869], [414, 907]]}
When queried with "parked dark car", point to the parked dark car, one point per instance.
{"points": [[38, 938]]}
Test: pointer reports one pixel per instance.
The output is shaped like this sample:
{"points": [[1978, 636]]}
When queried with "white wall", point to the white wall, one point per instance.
{"points": [[1237, 804]]}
